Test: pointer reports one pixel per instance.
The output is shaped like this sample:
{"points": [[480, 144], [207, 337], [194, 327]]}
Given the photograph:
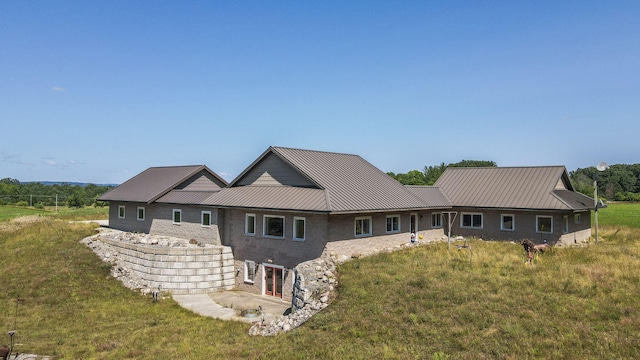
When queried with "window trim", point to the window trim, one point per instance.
{"points": [[246, 224], [144, 213], [565, 224], [513, 222], [249, 264], [264, 226], [393, 231], [123, 212], [438, 217], [295, 228], [355, 226], [538, 217], [577, 218], [202, 214], [173, 216], [472, 214]]}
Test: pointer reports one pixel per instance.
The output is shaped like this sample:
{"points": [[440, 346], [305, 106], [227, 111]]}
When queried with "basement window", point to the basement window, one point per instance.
{"points": [[249, 271]]}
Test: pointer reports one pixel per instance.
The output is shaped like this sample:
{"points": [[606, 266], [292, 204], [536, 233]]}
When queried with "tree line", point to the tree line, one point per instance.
{"points": [[36, 194], [619, 182]]}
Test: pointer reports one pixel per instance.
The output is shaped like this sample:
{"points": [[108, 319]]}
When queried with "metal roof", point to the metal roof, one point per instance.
{"points": [[539, 187], [270, 197], [154, 182], [350, 183], [185, 197], [432, 195]]}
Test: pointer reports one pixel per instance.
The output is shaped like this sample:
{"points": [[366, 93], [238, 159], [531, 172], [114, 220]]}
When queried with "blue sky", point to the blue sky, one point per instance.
{"points": [[97, 91]]}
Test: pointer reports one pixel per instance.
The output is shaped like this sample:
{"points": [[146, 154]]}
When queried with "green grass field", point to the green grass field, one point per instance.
{"points": [[63, 212], [420, 303], [620, 214]]}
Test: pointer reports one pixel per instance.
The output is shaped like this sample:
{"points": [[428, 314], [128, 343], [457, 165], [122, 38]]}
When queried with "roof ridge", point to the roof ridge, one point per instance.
{"points": [[314, 151]]}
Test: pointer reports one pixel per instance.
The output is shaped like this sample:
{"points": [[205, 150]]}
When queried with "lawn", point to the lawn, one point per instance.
{"points": [[421, 303], [8, 212]]}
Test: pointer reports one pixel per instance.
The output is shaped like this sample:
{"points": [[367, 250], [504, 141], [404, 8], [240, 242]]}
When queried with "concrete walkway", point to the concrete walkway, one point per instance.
{"points": [[227, 305]]}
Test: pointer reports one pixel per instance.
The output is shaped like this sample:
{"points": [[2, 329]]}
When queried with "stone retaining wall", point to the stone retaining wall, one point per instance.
{"points": [[179, 270]]}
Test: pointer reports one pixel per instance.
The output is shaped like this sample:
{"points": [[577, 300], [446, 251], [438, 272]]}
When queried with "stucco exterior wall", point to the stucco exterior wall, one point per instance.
{"points": [[525, 226]]}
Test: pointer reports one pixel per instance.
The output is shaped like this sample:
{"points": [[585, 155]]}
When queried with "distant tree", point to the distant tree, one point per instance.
{"points": [[620, 182], [430, 174], [75, 200]]}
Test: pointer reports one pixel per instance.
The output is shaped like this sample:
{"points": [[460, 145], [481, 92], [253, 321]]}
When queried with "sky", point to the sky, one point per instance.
{"points": [[98, 91]]}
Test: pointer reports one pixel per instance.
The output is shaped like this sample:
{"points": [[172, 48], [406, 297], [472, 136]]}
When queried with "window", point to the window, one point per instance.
{"points": [[177, 216], [577, 218], [249, 271], [565, 224], [507, 222], [393, 223], [250, 224], [140, 213], [544, 224], [273, 226], [436, 220], [471, 220], [298, 228], [363, 226], [121, 212], [205, 218]]}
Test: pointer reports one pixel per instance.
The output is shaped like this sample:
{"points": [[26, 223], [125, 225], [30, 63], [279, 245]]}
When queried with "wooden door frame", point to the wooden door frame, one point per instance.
{"points": [[264, 277]]}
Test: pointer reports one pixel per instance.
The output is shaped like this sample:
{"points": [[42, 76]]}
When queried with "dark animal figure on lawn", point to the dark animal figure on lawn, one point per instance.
{"points": [[528, 245], [4, 352]]}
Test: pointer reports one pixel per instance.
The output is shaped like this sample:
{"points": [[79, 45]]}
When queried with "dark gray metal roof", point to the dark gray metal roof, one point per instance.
{"points": [[154, 182], [270, 197], [431, 195], [541, 187], [186, 197], [350, 183]]}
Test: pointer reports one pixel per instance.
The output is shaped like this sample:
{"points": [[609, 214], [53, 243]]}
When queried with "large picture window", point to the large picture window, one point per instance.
{"points": [[507, 222], [298, 228], [393, 224], [363, 226], [273, 226], [544, 224], [250, 224], [471, 220]]}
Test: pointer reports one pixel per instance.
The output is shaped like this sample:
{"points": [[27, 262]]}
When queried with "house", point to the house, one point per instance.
{"points": [[287, 207], [153, 202], [513, 203], [291, 205]]}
